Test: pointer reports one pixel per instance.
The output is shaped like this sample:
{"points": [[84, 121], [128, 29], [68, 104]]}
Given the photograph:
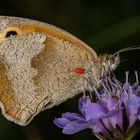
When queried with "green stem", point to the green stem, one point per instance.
{"points": [[131, 133], [121, 136]]}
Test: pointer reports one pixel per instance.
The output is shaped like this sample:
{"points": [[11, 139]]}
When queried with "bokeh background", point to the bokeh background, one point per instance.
{"points": [[106, 25]]}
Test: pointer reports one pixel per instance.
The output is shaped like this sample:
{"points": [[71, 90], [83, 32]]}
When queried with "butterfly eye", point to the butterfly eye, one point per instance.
{"points": [[111, 61], [11, 33]]}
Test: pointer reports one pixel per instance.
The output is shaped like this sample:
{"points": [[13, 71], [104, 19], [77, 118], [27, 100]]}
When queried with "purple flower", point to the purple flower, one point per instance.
{"points": [[114, 115]]}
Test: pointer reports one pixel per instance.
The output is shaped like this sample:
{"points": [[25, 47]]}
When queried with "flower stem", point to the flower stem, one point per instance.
{"points": [[131, 134]]}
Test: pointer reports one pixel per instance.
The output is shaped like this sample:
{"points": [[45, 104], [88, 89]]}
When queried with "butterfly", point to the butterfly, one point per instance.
{"points": [[42, 66]]}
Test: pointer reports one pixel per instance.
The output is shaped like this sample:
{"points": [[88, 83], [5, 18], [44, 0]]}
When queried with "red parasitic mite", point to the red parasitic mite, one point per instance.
{"points": [[79, 70]]}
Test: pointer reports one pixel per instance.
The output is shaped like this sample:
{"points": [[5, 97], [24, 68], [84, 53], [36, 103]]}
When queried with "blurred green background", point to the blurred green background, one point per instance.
{"points": [[106, 25]]}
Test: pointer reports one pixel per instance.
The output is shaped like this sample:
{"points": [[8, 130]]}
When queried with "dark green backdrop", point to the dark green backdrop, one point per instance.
{"points": [[106, 25]]}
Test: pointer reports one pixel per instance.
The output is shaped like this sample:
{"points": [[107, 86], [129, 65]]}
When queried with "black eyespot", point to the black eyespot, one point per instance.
{"points": [[11, 33]]}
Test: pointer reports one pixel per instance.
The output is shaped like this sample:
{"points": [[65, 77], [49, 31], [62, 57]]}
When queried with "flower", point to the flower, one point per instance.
{"points": [[114, 115]]}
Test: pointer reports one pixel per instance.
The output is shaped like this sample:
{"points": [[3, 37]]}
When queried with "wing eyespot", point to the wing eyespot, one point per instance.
{"points": [[10, 34]]}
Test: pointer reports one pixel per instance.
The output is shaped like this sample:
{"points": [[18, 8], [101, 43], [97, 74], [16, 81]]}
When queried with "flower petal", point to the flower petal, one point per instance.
{"points": [[98, 127], [132, 107], [82, 102], [74, 127], [94, 111], [61, 122], [72, 116]]}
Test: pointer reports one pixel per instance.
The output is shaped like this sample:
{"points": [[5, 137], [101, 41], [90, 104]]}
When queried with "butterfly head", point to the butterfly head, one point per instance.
{"points": [[109, 62], [113, 61]]}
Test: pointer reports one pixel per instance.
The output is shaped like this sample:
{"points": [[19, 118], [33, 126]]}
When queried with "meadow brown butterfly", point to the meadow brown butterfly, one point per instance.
{"points": [[41, 66]]}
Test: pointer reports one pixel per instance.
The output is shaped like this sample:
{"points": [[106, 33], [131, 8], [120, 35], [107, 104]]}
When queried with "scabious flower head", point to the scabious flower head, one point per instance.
{"points": [[115, 115]]}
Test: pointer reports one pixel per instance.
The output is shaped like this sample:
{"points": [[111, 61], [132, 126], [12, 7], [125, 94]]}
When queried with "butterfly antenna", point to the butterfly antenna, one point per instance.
{"points": [[124, 60], [134, 47]]}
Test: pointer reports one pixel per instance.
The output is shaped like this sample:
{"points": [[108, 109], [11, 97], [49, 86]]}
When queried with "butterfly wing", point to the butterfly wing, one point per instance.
{"points": [[17, 88], [37, 69]]}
